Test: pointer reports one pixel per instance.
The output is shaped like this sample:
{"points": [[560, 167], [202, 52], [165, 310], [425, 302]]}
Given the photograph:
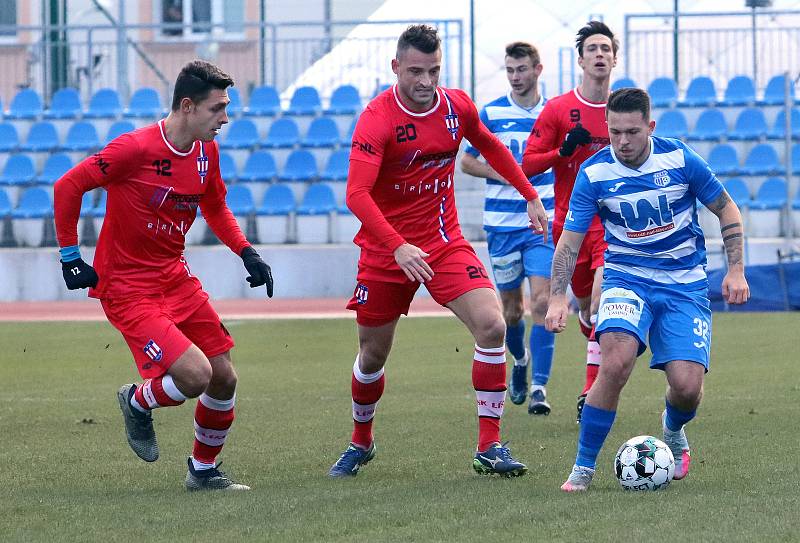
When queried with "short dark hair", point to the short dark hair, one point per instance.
{"points": [[520, 49], [629, 99], [423, 38], [592, 28], [196, 80]]}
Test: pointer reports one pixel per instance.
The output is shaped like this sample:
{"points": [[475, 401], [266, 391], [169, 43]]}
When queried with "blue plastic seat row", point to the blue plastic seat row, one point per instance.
{"points": [[761, 160], [284, 133], [43, 136], [300, 166], [319, 199], [740, 91], [750, 125]]}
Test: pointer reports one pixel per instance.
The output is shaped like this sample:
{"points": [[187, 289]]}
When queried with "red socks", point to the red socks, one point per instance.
{"points": [[366, 389], [489, 381]]}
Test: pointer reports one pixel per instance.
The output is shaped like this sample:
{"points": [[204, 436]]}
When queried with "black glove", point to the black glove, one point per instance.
{"points": [[577, 136], [78, 274], [260, 272]]}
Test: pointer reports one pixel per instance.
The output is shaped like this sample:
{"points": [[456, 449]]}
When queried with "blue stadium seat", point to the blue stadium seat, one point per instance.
{"points": [[762, 160], [774, 93], [278, 200], [66, 104], [778, 131], [234, 108], [318, 200], [738, 191], [9, 140], [710, 126], [34, 203], [300, 166], [56, 166], [263, 101], [240, 200], [772, 194], [623, 83], [344, 100], [381, 88], [739, 92], [282, 133], [82, 136], [322, 133], [337, 167], [242, 134], [672, 124], [750, 125], [104, 104], [260, 166], [796, 158], [5, 204], [701, 92], [117, 129], [227, 168], [26, 104], [724, 160], [347, 139], [41, 137], [663, 92], [100, 207], [87, 205], [145, 102], [18, 170], [305, 101]]}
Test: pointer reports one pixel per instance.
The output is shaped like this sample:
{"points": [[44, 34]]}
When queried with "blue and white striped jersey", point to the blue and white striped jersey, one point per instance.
{"points": [[505, 210], [649, 214]]}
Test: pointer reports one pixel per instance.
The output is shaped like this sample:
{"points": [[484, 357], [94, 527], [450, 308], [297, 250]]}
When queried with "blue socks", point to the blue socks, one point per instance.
{"points": [[542, 344], [675, 418], [515, 339], [595, 425]]}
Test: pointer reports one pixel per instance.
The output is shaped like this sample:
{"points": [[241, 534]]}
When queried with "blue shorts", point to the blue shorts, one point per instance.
{"points": [[518, 254], [676, 318]]}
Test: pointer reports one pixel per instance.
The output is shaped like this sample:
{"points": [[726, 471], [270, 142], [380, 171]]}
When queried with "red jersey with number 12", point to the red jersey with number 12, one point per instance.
{"points": [[416, 154], [559, 116]]}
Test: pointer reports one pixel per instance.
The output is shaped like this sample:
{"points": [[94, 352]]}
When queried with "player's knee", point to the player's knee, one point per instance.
{"points": [[686, 395], [491, 333], [539, 305], [193, 380], [372, 359], [512, 314], [225, 379]]}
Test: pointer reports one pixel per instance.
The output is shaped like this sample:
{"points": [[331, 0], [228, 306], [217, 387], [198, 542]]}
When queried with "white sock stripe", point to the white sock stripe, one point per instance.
{"points": [[491, 355], [217, 405], [491, 350], [210, 437], [137, 405], [364, 413], [365, 378], [147, 393], [490, 404], [168, 384]]}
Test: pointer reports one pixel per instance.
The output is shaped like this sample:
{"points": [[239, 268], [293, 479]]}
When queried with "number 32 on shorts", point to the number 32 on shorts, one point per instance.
{"points": [[701, 329]]}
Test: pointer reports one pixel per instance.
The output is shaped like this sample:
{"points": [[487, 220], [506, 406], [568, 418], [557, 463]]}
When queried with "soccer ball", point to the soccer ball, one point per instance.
{"points": [[644, 463]]}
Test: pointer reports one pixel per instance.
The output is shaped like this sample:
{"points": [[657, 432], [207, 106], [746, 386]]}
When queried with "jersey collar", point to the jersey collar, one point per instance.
{"points": [[586, 102], [169, 145], [412, 113], [640, 169], [538, 105]]}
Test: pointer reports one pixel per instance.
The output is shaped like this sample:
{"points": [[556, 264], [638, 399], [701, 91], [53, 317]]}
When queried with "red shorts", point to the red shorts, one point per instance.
{"points": [[383, 292], [590, 257], [159, 328]]}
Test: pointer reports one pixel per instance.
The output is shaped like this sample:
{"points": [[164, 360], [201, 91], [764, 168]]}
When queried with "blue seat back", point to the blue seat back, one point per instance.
{"points": [[278, 200], [701, 92], [779, 128], [300, 165], [100, 208], [723, 159], [338, 165], [750, 124], [264, 100], [66, 104], [26, 104], [42, 136], [119, 128], [740, 91], [318, 200], [796, 158], [239, 200], [145, 102], [19, 169], [672, 124], [773, 192], [9, 139], [34, 203], [87, 204], [55, 167], [5, 204], [775, 91], [104, 103], [762, 159], [83, 133], [305, 101], [345, 99], [235, 106], [322, 132], [283, 133], [738, 191], [623, 83], [227, 168], [711, 123], [242, 133], [663, 92], [260, 166]]}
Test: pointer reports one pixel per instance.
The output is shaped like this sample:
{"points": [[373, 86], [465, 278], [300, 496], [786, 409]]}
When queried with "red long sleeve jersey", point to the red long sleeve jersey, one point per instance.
{"points": [[413, 194], [153, 194], [559, 116]]}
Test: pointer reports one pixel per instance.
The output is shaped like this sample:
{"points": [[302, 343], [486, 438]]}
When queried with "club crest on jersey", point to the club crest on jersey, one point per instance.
{"points": [[202, 167], [661, 179], [153, 351], [451, 122], [361, 294]]}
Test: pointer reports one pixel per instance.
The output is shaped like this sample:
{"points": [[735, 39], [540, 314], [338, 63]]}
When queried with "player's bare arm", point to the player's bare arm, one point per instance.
{"points": [[564, 260], [411, 260], [734, 286], [474, 167]]}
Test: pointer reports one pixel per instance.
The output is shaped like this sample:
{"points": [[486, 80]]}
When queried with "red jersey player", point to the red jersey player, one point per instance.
{"points": [[400, 185], [570, 129], [156, 177]]}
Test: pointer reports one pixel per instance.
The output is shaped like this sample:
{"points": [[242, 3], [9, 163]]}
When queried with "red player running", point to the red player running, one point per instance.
{"points": [[400, 186], [571, 128], [156, 177]]}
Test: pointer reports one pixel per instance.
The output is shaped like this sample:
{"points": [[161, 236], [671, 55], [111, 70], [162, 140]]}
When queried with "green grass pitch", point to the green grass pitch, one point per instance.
{"points": [[68, 474]]}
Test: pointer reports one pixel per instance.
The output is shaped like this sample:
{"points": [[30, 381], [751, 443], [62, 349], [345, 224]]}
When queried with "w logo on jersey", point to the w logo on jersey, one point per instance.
{"points": [[451, 122], [361, 294], [661, 179], [153, 351]]}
